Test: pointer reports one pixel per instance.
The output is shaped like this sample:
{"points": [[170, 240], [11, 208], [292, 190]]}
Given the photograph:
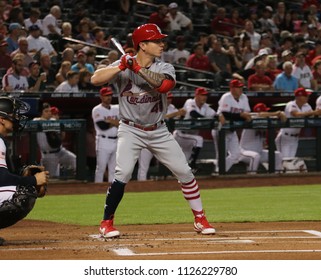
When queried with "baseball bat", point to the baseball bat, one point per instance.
{"points": [[85, 43], [120, 48]]}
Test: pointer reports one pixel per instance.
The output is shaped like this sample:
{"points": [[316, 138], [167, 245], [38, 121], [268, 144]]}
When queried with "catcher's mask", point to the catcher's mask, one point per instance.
{"points": [[13, 110]]}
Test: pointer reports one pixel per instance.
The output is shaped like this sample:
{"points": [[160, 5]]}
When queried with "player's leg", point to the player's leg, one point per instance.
{"points": [[186, 143], [252, 159], [102, 159], [51, 164], [144, 160], [232, 146], [170, 154], [195, 151], [111, 165], [67, 159], [128, 149]]}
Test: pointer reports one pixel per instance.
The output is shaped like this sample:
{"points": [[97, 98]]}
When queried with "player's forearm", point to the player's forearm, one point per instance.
{"points": [[104, 75], [153, 78]]}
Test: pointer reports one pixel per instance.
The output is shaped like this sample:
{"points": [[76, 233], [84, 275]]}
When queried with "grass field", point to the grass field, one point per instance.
{"points": [[286, 203]]}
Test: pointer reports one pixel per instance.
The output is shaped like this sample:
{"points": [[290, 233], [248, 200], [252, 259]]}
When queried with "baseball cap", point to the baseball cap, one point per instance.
{"points": [[34, 27], [302, 92], [268, 8], [173, 6], [236, 83], [260, 107], [14, 25], [106, 91], [54, 110], [201, 91], [170, 95], [285, 53]]}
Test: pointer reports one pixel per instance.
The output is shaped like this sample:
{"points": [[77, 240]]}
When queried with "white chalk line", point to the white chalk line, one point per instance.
{"points": [[126, 252]]}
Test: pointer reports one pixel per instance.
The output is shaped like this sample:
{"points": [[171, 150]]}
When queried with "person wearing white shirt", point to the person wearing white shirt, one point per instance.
{"points": [[71, 84], [177, 20], [37, 43], [50, 22], [34, 18]]}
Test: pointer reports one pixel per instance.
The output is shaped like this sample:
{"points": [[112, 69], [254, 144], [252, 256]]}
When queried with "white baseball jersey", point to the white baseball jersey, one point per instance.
{"points": [[14, 81], [6, 192], [304, 75], [139, 102], [101, 113], [228, 103], [293, 107], [318, 103]]}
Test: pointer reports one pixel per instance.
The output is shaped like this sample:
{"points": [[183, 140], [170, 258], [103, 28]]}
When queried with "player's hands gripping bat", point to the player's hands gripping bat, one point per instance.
{"points": [[129, 62]]}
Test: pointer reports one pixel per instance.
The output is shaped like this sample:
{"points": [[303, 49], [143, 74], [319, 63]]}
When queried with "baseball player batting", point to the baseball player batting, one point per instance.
{"points": [[18, 194], [106, 121], [143, 81]]}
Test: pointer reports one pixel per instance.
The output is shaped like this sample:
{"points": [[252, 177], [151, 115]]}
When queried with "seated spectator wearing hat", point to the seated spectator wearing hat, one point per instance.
{"points": [[82, 63], [13, 80], [285, 81], [14, 34], [190, 140], [5, 59], [286, 55], [23, 49], [180, 54], [177, 20], [39, 44], [303, 72], [36, 80], [259, 81], [160, 18], [71, 84]]}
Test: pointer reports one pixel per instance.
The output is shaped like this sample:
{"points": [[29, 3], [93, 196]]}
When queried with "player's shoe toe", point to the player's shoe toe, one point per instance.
{"points": [[107, 229], [201, 225]]}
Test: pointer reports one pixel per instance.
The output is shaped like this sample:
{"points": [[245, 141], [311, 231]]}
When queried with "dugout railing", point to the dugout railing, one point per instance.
{"points": [[270, 124]]}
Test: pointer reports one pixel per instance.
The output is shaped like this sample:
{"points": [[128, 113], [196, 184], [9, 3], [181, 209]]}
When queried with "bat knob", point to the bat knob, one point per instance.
{"points": [[130, 62]]}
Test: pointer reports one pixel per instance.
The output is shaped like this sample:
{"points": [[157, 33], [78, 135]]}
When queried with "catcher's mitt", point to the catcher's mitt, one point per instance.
{"points": [[31, 170]]}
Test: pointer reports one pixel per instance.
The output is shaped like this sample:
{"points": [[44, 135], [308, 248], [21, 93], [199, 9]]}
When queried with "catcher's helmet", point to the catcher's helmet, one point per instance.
{"points": [[12, 109], [146, 32]]}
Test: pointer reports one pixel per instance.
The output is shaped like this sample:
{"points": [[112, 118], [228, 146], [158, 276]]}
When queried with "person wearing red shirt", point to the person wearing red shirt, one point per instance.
{"points": [[5, 59], [259, 81], [221, 24], [198, 60], [312, 54], [160, 18]]}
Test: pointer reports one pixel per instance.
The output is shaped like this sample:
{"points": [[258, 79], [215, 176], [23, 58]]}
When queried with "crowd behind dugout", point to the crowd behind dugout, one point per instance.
{"points": [[267, 45], [260, 43]]}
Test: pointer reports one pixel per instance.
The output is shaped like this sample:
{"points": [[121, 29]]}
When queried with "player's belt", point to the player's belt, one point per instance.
{"points": [[51, 152], [293, 135], [142, 127], [109, 137]]}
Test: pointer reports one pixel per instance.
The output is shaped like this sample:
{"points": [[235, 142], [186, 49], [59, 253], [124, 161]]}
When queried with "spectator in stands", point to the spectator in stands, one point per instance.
{"points": [[234, 52], [180, 54], [61, 76], [177, 19], [167, 55], [36, 80], [259, 81], [198, 60], [14, 81], [190, 140], [84, 32], [266, 20], [266, 41], [312, 54], [34, 19], [285, 56], [71, 84], [66, 32], [84, 83], [205, 4], [237, 23], [246, 51], [100, 37], [271, 69], [129, 42], [91, 57], [5, 59], [51, 23], [252, 34], [12, 39], [317, 74], [68, 55], [16, 15], [113, 56], [39, 44], [3, 11], [220, 62], [221, 24], [160, 18], [279, 14], [303, 72], [47, 67], [285, 81], [82, 63], [287, 23], [23, 49], [204, 39]]}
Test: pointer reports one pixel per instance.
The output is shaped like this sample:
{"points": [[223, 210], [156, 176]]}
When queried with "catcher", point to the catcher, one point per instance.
{"points": [[18, 194]]}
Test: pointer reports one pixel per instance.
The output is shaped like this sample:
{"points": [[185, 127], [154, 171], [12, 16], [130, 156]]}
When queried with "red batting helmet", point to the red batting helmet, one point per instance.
{"points": [[146, 32]]}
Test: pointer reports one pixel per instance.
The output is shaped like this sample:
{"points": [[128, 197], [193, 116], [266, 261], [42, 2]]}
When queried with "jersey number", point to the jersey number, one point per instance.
{"points": [[158, 107]]}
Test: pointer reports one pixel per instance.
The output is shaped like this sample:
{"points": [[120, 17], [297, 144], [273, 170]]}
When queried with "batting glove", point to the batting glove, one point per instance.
{"points": [[134, 66], [123, 63]]}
